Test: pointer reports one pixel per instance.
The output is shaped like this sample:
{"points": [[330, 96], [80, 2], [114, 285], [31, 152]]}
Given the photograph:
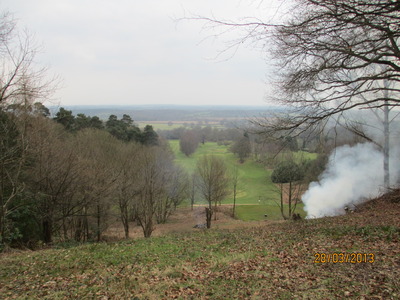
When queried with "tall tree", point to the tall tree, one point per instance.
{"points": [[242, 148], [65, 118], [123, 129], [95, 122], [97, 159], [176, 191], [378, 131], [291, 173], [82, 121], [213, 182], [40, 109], [337, 56], [53, 174], [149, 136], [127, 180], [332, 56], [20, 77], [192, 189], [153, 165], [235, 182], [188, 142], [12, 163], [21, 83]]}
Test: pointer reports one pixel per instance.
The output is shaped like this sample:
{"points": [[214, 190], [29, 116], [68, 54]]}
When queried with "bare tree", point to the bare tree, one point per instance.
{"points": [[235, 181], [97, 153], [12, 164], [288, 172], [332, 57], [19, 76], [378, 132], [333, 54], [176, 190], [53, 174], [213, 182], [21, 83], [126, 189], [151, 186], [192, 190], [337, 56]]}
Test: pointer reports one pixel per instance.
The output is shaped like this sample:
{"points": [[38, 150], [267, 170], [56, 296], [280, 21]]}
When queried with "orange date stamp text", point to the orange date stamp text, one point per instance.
{"points": [[339, 258]]}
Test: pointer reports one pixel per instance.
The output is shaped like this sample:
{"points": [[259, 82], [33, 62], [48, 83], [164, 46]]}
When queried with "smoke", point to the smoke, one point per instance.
{"points": [[353, 174]]}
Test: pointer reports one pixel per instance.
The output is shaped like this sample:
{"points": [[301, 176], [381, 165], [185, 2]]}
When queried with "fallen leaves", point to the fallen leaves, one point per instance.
{"points": [[270, 262]]}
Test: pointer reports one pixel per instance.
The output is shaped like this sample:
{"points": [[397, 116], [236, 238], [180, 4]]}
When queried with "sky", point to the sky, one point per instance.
{"points": [[127, 52]]}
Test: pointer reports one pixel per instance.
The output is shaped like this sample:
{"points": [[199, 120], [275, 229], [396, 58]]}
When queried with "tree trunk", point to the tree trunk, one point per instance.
{"points": [[234, 203], [148, 228], [126, 229], [386, 170], [2, 224], [282, 208], [124, 217], [192, 192], [209, 213], [78, 230], [215, 211], [47, 231], [290, 200], [86, 232], [65, 229], [98, 223]]}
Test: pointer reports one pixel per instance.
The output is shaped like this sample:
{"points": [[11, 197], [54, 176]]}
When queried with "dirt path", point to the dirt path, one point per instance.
{"points": [[184, 220]]}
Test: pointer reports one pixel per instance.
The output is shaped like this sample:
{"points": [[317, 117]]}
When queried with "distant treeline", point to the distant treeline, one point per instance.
{"points": [[174, 112]]}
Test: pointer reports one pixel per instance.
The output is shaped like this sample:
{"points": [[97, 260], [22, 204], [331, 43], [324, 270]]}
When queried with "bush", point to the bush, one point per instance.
{"points": [[287, 171], [188, 143]]}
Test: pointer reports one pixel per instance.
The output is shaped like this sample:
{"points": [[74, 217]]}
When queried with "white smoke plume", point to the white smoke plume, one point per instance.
{"points": [[353, 174]]}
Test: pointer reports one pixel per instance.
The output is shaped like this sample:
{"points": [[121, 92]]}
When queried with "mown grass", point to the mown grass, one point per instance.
{"points": [[275, 261], [254, 180], [254, 187], [298, 156]]}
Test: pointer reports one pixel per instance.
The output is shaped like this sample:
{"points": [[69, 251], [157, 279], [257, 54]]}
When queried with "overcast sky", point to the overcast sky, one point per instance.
{"points": [[133, 52]]}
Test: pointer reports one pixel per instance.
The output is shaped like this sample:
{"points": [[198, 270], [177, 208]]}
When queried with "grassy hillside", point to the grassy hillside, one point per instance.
{"points": [[256, 193], [273, 261]]}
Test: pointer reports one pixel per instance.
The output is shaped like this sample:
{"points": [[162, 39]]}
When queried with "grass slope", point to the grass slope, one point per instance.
{"points": [[274, 261]]}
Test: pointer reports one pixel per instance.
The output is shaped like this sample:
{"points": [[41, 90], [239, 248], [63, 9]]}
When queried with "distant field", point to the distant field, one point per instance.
{"points": [[169, 125], [256, 192]]}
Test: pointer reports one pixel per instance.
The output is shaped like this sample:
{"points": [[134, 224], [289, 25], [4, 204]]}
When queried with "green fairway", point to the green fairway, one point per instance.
{"points": [[189, 163], [254, 180], [256, 194]]}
